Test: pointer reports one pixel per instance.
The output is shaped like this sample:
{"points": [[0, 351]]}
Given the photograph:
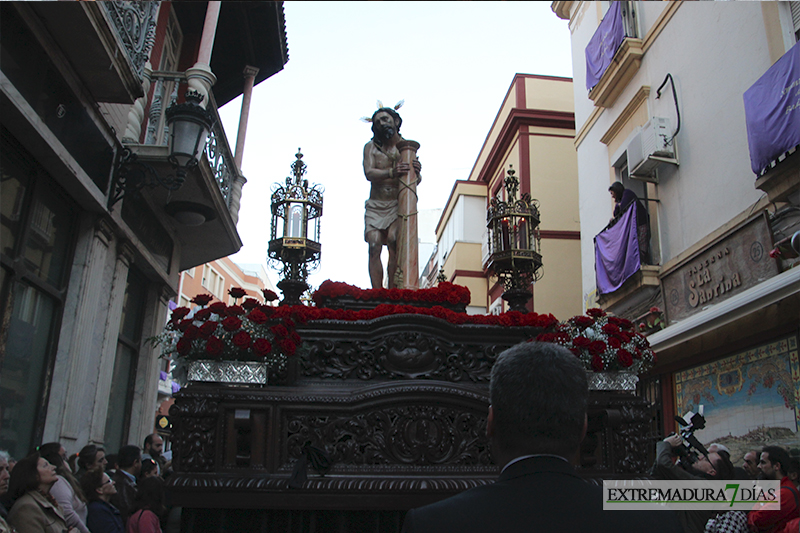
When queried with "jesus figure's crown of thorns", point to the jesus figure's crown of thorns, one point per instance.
{"points": [[397, 106]]}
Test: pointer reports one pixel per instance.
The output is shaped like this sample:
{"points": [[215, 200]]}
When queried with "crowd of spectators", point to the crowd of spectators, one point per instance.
{"points": [[770, 463], [50, 492]]}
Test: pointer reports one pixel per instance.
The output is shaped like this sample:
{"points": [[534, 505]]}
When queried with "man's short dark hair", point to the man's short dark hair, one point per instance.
{"points": [[539, 393], [148, 440], [128, 455], [394, 114], [778, 455]]}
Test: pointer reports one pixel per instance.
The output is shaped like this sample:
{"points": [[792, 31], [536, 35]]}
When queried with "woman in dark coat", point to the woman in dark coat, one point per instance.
{"points": [[103, 517]]}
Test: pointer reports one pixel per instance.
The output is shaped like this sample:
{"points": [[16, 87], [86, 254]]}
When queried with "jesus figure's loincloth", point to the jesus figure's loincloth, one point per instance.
{"points": [[379, 215]]}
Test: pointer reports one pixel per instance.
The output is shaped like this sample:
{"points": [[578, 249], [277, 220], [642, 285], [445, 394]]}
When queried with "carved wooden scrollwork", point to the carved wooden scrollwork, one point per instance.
{"points": [[630, 442], [193, 438], [404, 435], [401, 355]]}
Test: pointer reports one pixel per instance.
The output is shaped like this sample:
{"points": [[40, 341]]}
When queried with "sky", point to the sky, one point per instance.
{"points": [[452, 63]]}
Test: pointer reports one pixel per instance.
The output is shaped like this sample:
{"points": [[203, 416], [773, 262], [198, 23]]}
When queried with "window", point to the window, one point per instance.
{"points": [[120, 395], [190, 272], [795, 8], [212, 281], [639, 187], [37, 229]]}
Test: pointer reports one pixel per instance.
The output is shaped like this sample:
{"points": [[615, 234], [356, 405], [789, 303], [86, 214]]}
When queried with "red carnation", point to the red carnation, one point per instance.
{"points": [[582, 321], [250, 303], [287, 346], [546, 337], [202, 299], [214, 346], [236, 310], [625, 358], [269, 295], [295, 337], [257, 316], [184, 346], [183, 324], [581, 342], [232, 323], [262, 346], [597, 347], [237, 292], [624, 337], [179, 312], [203, 314], [242, 340], [218, 308], [595, 312], [208, 328], [191, 333], [279, 330], [614, 342], [597, 363], [610, 329]]}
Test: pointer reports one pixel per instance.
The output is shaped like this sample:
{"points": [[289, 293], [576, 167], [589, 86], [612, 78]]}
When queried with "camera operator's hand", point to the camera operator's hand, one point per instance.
{"points": [[674, 440]]}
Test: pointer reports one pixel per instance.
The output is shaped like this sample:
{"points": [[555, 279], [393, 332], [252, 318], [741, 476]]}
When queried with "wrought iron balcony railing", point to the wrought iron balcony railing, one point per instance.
{"points": [[217, 150]]}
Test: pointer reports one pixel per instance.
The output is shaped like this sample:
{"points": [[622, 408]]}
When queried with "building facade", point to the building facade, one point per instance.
{"points": [[218, 277], [660, 106], [88, 266], [533, 135]]}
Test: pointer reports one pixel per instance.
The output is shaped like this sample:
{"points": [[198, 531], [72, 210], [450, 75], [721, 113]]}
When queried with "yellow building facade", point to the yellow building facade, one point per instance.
{"points": [[533, 133]]}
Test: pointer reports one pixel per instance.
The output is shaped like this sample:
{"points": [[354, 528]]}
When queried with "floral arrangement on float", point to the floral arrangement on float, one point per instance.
{"points": [[243, 343], [261, 337], [445, 294], [610, 348]]}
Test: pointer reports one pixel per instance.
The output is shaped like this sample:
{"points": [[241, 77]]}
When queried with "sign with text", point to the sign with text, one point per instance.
{"points": [[722, 495], [727, 267]]}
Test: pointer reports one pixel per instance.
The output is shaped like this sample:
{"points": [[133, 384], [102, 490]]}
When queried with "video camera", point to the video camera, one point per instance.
{"points": [[692, 446]]}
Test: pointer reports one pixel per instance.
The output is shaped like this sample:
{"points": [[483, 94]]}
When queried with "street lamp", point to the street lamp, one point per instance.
{"points": [[514, 243], [294, 241], [189, 125]]}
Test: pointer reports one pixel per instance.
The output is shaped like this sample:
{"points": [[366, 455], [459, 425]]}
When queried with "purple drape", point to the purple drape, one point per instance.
{"points": [[616, 252], [603, 45], [772, 111]]}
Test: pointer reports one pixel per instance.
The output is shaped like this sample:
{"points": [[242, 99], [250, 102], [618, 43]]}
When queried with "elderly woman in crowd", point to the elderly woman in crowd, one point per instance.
{"points": [[35, 510], [103, 517], [67, 491]]}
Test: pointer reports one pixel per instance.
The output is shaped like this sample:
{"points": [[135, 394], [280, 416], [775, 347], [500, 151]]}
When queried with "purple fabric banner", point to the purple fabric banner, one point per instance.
{"points": [[616, 253], [772, 111], [603, 45]]}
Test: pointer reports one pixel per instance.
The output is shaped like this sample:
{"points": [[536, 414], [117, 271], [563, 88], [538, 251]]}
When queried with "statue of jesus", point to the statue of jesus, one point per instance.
{"points": [[383, 168]]}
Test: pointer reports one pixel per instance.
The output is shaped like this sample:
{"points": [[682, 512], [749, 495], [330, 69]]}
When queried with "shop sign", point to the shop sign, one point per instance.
{"points": [[727, 267]]}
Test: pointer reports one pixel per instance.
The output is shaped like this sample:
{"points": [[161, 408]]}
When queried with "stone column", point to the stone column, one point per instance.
{"points": [[83, 351], [249, 78], [108, 354], [199, 77], [133, 130], [408, 244], [145, 392]]}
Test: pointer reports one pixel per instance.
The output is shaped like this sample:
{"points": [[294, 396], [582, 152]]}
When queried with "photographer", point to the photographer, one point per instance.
{"points": [[707, 466]]}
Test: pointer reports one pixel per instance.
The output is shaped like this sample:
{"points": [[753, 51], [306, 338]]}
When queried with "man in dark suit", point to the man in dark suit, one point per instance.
{"points": [[536, 421], [130, 464]]}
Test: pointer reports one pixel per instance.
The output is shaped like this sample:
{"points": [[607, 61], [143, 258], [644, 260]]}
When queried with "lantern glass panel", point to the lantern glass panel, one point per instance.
{"points": [[186, 135], [296, 222]]}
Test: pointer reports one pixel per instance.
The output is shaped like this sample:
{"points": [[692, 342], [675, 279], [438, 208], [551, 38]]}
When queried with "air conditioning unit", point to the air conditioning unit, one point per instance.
{"points": [[649, 149]]}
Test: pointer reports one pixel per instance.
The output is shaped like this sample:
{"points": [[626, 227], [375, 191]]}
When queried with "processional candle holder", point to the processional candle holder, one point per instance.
{"points": [[514, 243], [294, 244]]}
